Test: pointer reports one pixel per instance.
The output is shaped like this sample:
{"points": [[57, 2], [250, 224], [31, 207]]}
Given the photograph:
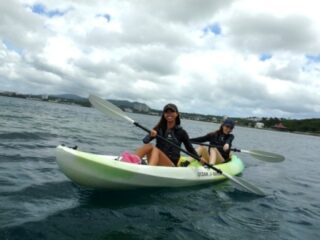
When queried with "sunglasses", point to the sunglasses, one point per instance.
{"points": [[228, 126]]}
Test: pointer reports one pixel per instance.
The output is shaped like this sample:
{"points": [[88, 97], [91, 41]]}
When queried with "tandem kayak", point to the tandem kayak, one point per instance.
{"points": [[107, 172]]}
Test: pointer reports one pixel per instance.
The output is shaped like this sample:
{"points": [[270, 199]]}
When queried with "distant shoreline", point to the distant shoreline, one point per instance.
{"points": [[265, 129], [141, 108], [295, 132]]}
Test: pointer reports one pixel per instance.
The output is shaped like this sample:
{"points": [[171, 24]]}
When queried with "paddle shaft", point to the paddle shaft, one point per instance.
{"points": [[181, 149]]}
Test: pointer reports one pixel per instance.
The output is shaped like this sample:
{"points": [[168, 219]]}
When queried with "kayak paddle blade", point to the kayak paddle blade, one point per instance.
{"points": [[265, 156], [245, 185], [108, 108]]}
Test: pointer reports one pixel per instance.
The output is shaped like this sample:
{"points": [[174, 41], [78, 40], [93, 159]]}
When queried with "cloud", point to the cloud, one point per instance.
{"points": [[261, 33], [182, 12], [18, 26], [237, 58], [156, 59]]}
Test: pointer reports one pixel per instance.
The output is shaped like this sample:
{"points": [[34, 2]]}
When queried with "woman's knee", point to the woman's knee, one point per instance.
{"points": [[213, 150], [201, 148], [148, 146], [145, 149], [155, 150]]}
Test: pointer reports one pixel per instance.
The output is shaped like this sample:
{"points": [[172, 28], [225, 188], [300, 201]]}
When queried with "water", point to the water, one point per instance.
{"points": [[38, 202]]}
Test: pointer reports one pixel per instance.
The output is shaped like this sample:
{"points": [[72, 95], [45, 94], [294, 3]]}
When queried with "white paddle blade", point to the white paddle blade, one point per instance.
{"points": [[107, 107], [265, 156], [245, 185]]}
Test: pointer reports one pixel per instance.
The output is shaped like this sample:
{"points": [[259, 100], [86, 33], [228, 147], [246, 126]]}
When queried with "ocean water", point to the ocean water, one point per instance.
{"points": [[37, 201]]}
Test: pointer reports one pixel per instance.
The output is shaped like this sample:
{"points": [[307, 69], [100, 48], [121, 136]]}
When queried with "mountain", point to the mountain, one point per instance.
{"points": [[69, 96], [135, 106]]}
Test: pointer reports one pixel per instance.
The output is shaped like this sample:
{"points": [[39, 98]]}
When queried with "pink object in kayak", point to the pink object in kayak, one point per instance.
{"points": [[130, 158]]}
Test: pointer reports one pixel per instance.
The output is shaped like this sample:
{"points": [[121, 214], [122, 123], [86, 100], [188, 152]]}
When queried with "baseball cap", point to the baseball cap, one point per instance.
{"points": [[228, 122], [170, 106]]}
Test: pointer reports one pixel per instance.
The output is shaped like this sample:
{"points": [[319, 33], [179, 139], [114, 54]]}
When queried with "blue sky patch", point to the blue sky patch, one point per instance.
{"points": [[42, 10], [106, 16], [214, 28], [265, 56], [313, 58], [9, 45]]}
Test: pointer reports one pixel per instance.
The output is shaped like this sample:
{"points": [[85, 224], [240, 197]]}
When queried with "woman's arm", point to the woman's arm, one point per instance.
{"points": [[229, 139], [205, 138], [187, 144], [150, 136], [228, 143], [147, 139]]}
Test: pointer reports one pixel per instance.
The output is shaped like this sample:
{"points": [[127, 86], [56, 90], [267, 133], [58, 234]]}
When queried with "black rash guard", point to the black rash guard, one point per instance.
{"points": [[218, 139], [176, 135]]}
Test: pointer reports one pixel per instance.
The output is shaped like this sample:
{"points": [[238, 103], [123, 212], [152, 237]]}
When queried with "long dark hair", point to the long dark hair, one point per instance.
{"points": [[162, 124], [217, 132], [220, 130]]}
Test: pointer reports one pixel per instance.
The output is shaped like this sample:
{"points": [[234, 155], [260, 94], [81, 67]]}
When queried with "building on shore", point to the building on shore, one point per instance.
{"points": [[259, 125], [280, 127]]}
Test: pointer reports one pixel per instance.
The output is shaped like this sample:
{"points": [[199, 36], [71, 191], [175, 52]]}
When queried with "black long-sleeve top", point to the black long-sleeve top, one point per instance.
{"points": [[218, 139], [177, 136]]}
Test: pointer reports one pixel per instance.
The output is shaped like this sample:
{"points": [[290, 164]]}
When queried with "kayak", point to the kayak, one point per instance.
{"points": [[108, 172]]}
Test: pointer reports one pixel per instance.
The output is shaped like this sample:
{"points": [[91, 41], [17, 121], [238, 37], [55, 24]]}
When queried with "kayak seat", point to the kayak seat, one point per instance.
{"points": [[186, 161]]}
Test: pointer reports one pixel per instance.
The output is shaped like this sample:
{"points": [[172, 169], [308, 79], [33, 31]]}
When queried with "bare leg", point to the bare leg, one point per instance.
{"points": [[215, 157], [154, 155], [203, 152], [159, 158], [146, 149], [164, 160]]}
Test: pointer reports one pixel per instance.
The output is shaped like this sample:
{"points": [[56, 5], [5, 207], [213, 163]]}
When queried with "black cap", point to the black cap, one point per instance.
{"points": [[170, 106], [228, 122]]}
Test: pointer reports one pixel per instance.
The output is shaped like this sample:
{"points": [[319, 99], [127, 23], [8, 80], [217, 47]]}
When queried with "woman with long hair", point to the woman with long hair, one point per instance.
{"points": [[164, 153], [221, 141]]}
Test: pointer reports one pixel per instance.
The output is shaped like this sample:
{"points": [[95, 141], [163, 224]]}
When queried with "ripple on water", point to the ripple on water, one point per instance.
{"points": [[33, 203], [26, 135], [18, 174], [257, 219]]}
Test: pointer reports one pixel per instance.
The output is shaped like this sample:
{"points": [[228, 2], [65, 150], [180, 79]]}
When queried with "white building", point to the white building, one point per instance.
{"points": [[44, 97], [259, 125]]}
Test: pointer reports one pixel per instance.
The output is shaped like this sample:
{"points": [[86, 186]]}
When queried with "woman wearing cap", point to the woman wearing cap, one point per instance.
{"points": [[164, 153], [221, 139]]}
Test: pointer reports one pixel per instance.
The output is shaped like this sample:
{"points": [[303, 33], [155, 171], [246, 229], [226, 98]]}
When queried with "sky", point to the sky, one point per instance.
{"points": [[219, 57]]}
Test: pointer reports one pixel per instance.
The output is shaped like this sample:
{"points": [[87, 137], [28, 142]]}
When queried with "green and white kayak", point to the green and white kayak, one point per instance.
{"points": [[107, 172]]}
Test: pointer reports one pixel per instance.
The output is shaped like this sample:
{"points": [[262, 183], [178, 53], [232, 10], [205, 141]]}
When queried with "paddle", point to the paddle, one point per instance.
{"points": [[108, 108], [261, 155]]}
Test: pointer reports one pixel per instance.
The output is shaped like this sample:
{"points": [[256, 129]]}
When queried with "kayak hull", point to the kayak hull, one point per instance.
{"points": [[106, 172]]}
